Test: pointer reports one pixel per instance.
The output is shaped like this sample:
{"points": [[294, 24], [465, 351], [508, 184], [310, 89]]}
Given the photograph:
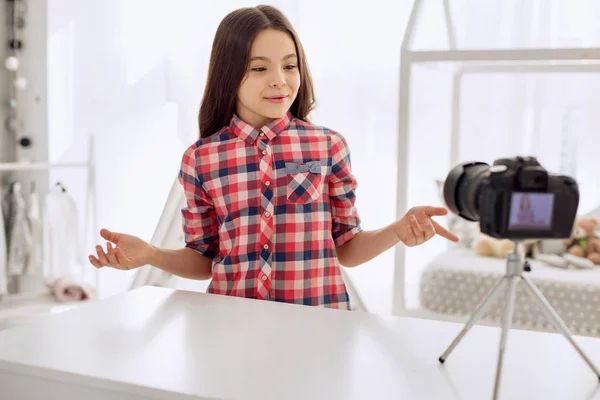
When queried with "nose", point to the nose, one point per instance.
{"points": [[278, 79]]}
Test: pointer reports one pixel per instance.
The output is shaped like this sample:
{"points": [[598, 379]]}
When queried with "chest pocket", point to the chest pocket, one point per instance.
{"points": [[303, 181]]}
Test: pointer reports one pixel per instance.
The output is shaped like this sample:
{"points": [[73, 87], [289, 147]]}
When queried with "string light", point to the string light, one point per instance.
{"points": [[17, 10], [11, 63], [21, 83]]}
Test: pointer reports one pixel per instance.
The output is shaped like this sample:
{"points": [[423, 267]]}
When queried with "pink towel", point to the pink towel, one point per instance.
{"points": [[70, 289]]}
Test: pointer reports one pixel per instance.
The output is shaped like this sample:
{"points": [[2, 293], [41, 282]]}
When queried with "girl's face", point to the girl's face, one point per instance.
{"points": [[272, 81]]}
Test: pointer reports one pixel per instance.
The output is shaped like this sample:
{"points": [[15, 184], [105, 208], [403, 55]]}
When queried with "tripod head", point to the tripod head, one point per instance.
{"points": [[515, 261]]}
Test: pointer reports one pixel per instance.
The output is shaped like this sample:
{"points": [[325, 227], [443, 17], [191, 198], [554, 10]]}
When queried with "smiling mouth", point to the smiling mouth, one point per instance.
{"points": [[276, 99]]}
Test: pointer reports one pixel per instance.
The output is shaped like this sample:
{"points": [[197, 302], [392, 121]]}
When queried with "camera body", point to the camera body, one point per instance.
{"points": [[514, 199]]}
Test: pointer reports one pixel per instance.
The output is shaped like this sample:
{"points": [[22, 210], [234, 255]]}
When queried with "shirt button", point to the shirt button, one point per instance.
{"points": [[267, 183], [266, 246], [267, 214], [261, 134], [264, 278], [264, 152]]}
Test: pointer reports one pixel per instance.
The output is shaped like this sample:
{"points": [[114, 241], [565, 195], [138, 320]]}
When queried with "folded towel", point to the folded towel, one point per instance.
{"points": [[70, 289]]}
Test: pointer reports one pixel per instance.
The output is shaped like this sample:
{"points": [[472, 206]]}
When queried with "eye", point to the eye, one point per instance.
{"points": [[259, 69], [290, 67]]}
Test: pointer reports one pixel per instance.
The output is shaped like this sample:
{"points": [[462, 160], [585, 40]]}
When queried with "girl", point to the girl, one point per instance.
{"points": [[270, 197], [525, 216]]}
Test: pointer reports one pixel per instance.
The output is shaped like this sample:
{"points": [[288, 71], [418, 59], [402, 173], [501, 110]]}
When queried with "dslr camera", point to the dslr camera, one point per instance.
{"points": [[514, 199]]}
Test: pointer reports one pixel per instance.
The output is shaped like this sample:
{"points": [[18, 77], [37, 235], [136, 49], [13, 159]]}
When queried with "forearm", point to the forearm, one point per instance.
{"points": [[185, 262], [367, 245]]}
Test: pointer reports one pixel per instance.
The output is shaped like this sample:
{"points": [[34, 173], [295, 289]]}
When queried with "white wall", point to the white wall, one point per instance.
{"points": [[97, 92]]}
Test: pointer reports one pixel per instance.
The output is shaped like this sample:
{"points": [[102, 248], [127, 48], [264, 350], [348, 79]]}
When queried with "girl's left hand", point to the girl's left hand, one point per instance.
{"points": [[417, 226]]}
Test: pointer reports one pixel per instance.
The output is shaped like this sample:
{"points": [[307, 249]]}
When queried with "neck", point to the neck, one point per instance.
{"points": [[256, 120]]}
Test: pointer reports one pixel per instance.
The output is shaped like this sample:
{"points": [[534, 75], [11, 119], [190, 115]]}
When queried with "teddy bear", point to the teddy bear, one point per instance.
{"points": [[584, 241], [488, 246], [565, 253]]}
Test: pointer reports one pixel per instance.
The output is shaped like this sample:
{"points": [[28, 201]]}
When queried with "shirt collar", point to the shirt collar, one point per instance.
{"points": [[249, 133]]}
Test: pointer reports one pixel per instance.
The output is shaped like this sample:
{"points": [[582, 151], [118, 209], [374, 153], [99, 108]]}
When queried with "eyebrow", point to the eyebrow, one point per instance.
{"points": [[267, 59]]}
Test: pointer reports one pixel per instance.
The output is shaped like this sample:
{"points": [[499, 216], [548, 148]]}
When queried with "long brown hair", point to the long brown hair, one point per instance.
{"points": [[229, 62]]}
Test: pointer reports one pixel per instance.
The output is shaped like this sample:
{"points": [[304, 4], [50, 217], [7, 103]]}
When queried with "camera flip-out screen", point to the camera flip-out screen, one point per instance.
{"points": [[531, 211]]}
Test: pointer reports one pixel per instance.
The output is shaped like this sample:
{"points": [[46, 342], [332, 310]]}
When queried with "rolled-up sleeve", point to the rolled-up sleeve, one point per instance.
{"points": [[200, 224], [342, 193]]}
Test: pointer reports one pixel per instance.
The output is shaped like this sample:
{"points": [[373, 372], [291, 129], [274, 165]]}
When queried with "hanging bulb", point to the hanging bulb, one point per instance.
{"points": [[20, 83], [12, 124], [11, 63]]}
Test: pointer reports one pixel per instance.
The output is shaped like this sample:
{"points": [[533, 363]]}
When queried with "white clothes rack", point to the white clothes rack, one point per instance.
{"points": [[90, 208], [516, 61]]}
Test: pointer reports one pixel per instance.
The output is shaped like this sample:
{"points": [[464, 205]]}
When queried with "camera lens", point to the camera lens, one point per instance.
{"points": [[461, 188]]}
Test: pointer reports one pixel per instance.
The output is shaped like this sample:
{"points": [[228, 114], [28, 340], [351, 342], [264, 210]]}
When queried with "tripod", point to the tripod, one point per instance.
{"points": [[514, 274]]}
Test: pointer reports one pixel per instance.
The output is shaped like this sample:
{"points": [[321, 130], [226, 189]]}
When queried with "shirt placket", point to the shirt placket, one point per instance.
{"points": [[266, 220]]}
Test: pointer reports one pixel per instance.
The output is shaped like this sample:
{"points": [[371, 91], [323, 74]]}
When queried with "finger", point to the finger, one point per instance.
{"points": [[102, 256], [419, 235], [110, 254], [428, 230], [94, 261], [409, 239], [435, 211], [110, 236], [440, 230]]}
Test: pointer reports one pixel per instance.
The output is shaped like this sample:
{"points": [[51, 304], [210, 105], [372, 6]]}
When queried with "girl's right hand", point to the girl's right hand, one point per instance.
{"points": [[128, 252]]}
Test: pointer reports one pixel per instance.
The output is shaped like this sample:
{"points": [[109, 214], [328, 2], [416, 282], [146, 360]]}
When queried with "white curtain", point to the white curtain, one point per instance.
{"points": [[133, 72]]}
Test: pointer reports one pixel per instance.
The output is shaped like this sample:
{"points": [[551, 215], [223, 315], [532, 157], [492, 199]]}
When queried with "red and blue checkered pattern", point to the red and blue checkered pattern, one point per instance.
{"points": [[270, 206]]}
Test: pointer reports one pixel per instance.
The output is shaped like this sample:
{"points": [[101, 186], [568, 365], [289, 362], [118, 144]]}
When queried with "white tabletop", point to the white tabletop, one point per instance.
{"points": [[159, 343]]}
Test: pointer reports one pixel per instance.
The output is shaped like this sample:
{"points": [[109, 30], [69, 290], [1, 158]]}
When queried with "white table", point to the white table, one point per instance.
{"points": [[165, 344]]}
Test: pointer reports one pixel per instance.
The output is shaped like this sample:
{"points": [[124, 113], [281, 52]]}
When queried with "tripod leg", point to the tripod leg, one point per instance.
{"points": [[509, 308], [555, 319], [479, 311]]}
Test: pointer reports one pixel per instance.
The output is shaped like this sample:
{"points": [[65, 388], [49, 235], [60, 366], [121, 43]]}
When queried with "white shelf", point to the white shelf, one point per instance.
{"points": [[21, 308], [565, 54], [528, 68], [90, 212], [27, 166]]}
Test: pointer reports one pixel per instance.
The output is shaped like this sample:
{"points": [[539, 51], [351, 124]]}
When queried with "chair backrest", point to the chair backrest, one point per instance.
{"points": [[167, 235]]}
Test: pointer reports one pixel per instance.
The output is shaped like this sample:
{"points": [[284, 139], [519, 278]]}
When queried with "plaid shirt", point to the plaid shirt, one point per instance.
{"points": [[269, 207]]}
